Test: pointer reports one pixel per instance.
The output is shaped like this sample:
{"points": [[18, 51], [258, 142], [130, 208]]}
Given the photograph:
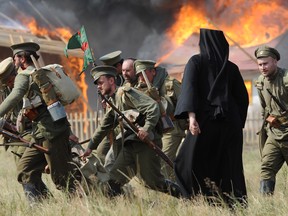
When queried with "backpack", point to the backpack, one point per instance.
{"points": [[65, 89]]}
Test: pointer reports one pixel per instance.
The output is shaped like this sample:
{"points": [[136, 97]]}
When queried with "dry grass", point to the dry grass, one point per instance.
{"points": [[146, 202]]}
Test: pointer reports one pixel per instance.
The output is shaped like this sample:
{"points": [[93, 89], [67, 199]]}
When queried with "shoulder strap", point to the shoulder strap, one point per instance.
{"points": [[29, 74], [285, 77]]}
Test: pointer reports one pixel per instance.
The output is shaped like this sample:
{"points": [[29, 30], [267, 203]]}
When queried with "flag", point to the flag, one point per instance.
{"points": [[79, 40]]}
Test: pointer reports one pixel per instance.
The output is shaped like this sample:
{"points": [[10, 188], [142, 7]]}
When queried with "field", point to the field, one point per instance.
{"points": [[146, 202]]}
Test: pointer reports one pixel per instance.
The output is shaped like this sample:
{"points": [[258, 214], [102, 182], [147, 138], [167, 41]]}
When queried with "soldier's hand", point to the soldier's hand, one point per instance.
{"points": [[74, 138], [87, 152], [142, 134]]}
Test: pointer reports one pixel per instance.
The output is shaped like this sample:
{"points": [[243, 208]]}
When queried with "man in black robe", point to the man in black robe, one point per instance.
{"points": [[210, 160]]}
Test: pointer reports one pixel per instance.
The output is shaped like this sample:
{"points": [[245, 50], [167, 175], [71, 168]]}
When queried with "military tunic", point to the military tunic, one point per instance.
{"points": [[275, 150], [11, 117], [53, 135], [134, 154], [169, 88]]}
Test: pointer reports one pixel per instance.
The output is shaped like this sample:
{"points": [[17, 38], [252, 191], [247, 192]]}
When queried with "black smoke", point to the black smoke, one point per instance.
{"points": [[133, 26]]}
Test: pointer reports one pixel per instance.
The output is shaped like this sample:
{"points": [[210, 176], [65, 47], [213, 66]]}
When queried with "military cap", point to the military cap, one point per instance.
{"points": [[6, 68], [27, 46], [111, 58], [141, 65], [265, 51], [101, 70]]}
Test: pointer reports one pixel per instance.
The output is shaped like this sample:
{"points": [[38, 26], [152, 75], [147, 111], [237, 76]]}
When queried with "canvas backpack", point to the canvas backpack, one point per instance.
{"points": [[55, 84]]}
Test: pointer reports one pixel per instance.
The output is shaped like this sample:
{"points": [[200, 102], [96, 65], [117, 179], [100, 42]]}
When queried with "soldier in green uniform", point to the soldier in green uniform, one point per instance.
{"points": [[52, 135], [130, 80], [112, 59], [135, 156], [274, 107], [8, 73], [169, 89]]}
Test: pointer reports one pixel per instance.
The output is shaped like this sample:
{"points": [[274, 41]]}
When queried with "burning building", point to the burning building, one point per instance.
{"points": [[161, 30]]}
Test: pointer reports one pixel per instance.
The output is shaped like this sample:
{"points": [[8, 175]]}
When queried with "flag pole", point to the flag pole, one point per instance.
{"points": [[93, 57]]}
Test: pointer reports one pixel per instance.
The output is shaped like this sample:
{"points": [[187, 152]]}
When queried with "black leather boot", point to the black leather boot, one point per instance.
{"points": [[173, 189], [114, 189], [31, 193], [43, 190], [267, 187]]}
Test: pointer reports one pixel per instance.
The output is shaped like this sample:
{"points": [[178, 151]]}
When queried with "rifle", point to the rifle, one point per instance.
{"points": [[149, 142], [262, 134], [25, 142]]}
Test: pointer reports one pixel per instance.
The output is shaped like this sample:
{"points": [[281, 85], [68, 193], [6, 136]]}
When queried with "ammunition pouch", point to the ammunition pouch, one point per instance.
{"points": [[32, 114], [31, 103]]}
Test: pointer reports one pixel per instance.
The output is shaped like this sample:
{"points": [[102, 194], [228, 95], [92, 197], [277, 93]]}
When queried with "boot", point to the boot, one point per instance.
{"points": [[114, 189], [31, 193], [173, 189], [267, 187], [44, 192]]}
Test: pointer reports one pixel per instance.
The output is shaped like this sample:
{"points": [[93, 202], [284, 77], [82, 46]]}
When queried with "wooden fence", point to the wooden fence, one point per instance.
{"points": [[85, 126]]}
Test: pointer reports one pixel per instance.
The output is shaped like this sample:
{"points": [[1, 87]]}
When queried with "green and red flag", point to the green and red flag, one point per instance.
{"points": [[79, 40]]}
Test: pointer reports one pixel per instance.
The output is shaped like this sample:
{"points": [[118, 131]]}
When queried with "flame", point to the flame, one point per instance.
{"points": [[72, 65], [246, 23], [188, 21]]}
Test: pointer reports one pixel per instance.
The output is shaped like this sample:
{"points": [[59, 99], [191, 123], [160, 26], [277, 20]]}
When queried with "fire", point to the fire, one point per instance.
{"points": [[188, 21], [245, 22], [73, 65]]}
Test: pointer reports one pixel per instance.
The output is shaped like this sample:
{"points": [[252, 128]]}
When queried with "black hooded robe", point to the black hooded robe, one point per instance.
{"points": [[212, 88]]}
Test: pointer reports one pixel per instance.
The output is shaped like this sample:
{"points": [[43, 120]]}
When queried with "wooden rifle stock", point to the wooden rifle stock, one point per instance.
{"points": [[149, 142], [26, 143]]}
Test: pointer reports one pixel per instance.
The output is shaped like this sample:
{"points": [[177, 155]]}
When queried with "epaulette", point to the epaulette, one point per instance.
{"points": [[126, 88], [122, 89], [259, 82], [285, 77]]}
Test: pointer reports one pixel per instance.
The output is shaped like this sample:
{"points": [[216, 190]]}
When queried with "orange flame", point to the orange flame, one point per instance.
{"points": [[245, 25]]}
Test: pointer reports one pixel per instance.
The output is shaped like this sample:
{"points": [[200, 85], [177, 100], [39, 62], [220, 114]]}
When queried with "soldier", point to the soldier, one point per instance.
{"points": [[52, 135], [168, 88], [8, 73], [135, 153], [131, 80], [128, 71], [112, 59], [274, 106]]}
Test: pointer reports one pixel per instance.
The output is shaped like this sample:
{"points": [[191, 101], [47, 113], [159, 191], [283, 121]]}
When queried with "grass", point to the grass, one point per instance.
{"points": [[146, 202]]}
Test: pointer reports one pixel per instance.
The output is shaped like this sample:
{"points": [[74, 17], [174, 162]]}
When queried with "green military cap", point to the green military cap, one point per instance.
{"points": [[265, 51], [101, 70], [141, 65], [27, 46], [111, 58], [6, 68]]}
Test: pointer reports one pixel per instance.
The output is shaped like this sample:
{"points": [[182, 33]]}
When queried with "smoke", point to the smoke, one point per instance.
{"points": [[133, 26]]}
